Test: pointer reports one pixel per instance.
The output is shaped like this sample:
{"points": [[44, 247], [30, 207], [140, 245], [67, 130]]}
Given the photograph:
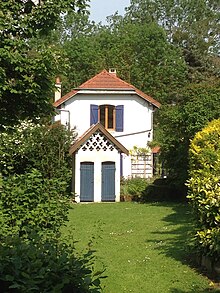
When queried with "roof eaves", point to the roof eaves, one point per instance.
{"points": [[107, 89], [148, 98], [65, 98]]}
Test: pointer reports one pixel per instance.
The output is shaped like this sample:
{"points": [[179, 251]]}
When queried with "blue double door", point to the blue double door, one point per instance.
{"points": [[87, 181]]}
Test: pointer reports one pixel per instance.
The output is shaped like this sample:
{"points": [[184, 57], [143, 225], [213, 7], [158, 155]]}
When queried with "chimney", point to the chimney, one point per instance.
{"points": [[58, 89], [112, 71]]}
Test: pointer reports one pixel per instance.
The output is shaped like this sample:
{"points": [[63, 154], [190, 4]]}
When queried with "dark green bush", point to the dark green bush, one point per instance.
{"points": [[30, 202], [36, 173], [43, 147], [133, 187], [33, 256], [45, 265]]}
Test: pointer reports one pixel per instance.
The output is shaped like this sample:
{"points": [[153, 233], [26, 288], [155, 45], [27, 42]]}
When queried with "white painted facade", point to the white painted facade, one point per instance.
{"points": [[137, 115], [132, 127], [138, 118], [97, 157]]}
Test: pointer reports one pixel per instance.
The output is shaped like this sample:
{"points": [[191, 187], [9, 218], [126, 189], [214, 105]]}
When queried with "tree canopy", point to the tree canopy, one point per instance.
{"points": [[141, 54], [26, 70], [190, 24], [179, 123], [168, 49]]}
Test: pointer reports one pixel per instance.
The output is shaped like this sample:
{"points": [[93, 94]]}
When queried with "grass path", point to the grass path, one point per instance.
{"points": [[142, 246]]}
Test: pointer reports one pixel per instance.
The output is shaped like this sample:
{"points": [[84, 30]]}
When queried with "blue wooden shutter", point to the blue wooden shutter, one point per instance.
{"points": [[94, 109], [119, 118]]}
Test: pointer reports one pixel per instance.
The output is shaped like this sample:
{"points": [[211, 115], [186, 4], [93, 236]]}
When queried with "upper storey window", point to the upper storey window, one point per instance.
{"points": [[111, 117], [107, 116]]}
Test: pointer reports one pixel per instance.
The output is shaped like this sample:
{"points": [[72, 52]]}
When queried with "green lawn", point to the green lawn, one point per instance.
{"points": [[142, 246]]}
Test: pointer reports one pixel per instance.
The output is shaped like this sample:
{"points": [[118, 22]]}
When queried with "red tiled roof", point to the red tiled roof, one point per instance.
{"points": [[148, 98], [106, 80]]}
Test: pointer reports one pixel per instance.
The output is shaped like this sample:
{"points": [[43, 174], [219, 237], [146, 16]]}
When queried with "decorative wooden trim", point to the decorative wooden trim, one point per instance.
{"points": [[92, 130]]}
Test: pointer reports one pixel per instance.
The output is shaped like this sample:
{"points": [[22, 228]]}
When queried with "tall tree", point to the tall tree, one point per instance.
{"points": [[140, 53], [199, 104], [167, 49], [190, 24], [26, 70]]}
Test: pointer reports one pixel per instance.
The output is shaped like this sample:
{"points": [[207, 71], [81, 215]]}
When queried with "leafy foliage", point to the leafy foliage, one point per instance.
{"points": [[43, 147], [33, 158], [163, 190], [26, 70], [30, 203], [177, 124], [204, 188], [134, 187], [45, 265], [149, 61], [36, 175], [34, 204], [193, 26]]}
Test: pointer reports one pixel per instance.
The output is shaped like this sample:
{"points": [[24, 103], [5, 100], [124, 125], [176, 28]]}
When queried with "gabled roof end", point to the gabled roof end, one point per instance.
{"points": [[89, 132]]}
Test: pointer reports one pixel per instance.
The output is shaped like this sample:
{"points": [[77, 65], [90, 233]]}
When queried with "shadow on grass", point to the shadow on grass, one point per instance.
{"points": [[173, 239], [195, 290]]}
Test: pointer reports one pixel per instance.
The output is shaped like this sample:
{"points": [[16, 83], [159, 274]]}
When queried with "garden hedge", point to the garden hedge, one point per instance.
{"points": [[204, 189]]}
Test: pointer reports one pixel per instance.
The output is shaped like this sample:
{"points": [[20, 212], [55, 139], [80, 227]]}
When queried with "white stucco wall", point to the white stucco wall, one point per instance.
{"points": [[97, 157], [138, 117]]}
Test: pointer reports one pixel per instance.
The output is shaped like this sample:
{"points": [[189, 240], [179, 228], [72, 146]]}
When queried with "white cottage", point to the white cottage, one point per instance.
{"points": [[114, 122]]}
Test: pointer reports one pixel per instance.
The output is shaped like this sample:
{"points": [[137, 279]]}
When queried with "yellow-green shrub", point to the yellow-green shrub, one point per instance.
{"points": [[204, 188]]}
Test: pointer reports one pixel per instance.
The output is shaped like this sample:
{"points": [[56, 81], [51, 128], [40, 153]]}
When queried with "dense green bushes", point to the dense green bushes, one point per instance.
{"points": [[34, 204], [133, 188], [30, 203], [43, 147], [198, 104], [162, 189], [33, 256], [204, 189], [45, 265], [151, 190]]}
